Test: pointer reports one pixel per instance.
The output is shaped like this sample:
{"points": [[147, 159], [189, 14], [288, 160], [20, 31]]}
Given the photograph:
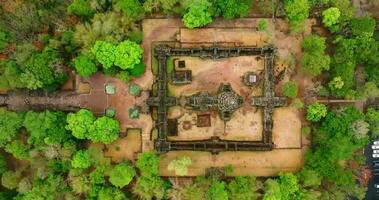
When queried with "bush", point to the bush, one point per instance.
{"points": [[84, 65], [80, 8], [105, 130], [314, 60], [232, 8], [316, 111], [122, 174], [132, 8], [197, 13], [331, 16], [127, 54], [290, 89], [137, 70], [10, 122], [81, 159], [80, 123], [104, 53], [262, 24]]}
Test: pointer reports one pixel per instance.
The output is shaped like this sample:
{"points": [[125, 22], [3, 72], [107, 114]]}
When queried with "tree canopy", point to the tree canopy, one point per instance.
{"points": [[84, 65], [127, 54], [80, 8], [105, 130], [316, 111], [290, 89], [81, 159], [122, 174], [198, 13], [10, 123], [314, 59], [331, 16], [79, 123], [104, 53]]}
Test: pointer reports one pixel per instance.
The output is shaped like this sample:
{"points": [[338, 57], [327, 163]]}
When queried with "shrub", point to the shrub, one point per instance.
{"points": [[262, 25], [84, 65], [81, 159], [80, 8], [316, 111], [290, 89], [122, 174], [331, 16]]}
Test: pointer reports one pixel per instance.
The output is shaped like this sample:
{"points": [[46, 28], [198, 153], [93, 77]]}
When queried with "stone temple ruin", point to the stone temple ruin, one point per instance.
{"points": [[225, 102]]}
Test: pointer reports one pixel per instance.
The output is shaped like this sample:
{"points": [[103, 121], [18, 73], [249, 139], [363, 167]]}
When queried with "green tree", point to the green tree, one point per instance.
{"points": [[372, 117], [148, 187], [10, 123], [242, 188], [197, 14], [84, 65], [309, 178], [97, 176], [362, 26], [297, 12], [262, 25], [314, 60], [44, 70], [272, 190], [80, 8], [316, 111], [10, 78], [290, 89], [336, 83], [18, 149], [331, 16], [81, 160], [124, 76], [104, 53], [285, 188], [217, 191], [80, 123], [105, 130], [137, 70], [233, 8], [3, 164], [347, 12], [148, 164], [4, 38], [127, 54], [46, 128], [122, 174], [132, 8], [110, 193], [180, 165]]}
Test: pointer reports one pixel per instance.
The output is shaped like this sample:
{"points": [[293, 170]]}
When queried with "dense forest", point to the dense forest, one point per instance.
{"points": [[45, 155]]}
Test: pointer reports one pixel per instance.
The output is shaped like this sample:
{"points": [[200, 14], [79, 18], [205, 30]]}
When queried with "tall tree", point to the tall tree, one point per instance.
{"points": [[81, 160], [105, 130], [80, 123], [127, 54], [316, 111], [198, 13], [84, 65], [10, 123], [122, 174]]}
